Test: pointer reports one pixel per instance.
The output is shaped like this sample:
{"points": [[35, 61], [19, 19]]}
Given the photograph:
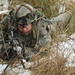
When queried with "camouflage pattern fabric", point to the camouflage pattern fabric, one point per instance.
{"points": [[42, 27]]}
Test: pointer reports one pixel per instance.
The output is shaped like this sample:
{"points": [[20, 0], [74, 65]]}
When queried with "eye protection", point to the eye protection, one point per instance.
{"points": [[24, 23], [25, 20]]}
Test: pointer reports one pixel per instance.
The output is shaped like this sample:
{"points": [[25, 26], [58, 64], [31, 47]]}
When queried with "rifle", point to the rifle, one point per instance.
{"points": [[17, 53]]}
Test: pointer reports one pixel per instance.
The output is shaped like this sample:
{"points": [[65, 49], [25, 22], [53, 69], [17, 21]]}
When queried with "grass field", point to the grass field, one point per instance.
{"points": [[56, 66]]}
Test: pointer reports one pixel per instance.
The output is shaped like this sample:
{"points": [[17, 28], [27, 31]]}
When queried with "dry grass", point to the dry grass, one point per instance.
{"points": [[48, 5], [70, 28], [57, 65], [70, 6], [52, 64]]}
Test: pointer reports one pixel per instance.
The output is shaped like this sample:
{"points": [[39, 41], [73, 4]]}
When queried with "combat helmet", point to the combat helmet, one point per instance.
{"points": [[24, 14]]}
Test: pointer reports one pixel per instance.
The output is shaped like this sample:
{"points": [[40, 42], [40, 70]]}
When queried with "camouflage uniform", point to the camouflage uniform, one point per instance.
{"points": [[25, 14]]}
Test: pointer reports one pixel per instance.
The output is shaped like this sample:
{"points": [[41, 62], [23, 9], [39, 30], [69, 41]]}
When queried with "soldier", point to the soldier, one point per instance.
{"points": [[25, 31], [28, 26]]}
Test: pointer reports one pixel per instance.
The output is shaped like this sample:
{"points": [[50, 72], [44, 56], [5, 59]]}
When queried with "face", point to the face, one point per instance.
{"points": [[26, 29], [24, 23]]}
